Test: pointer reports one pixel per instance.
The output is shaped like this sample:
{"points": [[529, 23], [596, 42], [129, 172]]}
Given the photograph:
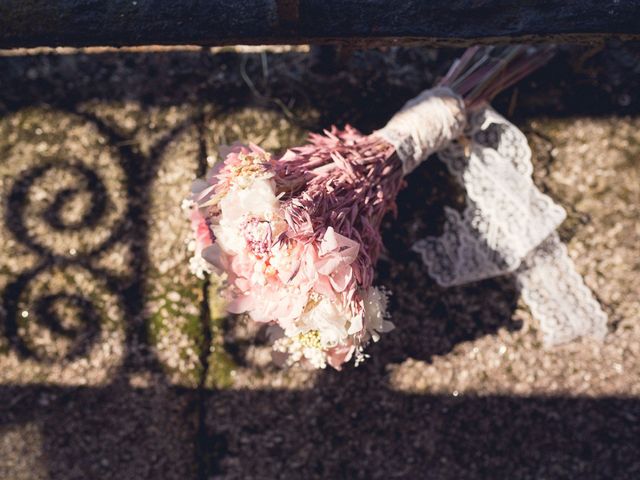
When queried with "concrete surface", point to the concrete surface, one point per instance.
{"points": [[116, 363]]}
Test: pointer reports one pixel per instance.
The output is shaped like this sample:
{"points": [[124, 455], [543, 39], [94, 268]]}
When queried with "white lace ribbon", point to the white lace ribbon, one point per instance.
{"points": [[557, 295], [508, 225]]}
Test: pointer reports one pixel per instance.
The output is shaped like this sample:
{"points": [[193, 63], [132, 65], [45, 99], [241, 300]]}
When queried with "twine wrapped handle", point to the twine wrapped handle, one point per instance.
{"points": [[425, 125], [429, 122]]}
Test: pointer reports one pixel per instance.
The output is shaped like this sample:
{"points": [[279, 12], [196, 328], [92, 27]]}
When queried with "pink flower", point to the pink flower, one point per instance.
{"points": [[337, 253], [201, 230]]}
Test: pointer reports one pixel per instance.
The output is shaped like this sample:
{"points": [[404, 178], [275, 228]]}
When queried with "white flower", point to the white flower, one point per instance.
{"points": [[229, 236], [375, 313], [187, 204], [198, 266], [327, 319], [257, 200]]}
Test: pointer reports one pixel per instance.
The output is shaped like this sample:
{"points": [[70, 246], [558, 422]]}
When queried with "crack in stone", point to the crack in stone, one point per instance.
{"points": [[202, 435]]}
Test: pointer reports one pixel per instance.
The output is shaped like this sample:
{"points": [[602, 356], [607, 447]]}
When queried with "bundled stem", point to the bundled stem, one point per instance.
{"points": [[483, 72]]}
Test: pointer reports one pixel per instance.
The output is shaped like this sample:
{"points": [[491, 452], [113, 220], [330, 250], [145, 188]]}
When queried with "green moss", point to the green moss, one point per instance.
{"points": [[154, 327], [221, 366], [163, 319]]}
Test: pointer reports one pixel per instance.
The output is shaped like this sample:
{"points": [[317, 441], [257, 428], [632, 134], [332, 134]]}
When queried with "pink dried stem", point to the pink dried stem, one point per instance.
{"points": [[351, 181]]}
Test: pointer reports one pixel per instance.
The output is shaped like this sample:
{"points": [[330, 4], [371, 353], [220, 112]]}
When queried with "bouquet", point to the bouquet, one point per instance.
{"points": [[296, 237]]}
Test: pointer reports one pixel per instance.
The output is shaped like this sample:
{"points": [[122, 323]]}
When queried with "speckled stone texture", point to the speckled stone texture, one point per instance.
{"points": [[117, 363]]}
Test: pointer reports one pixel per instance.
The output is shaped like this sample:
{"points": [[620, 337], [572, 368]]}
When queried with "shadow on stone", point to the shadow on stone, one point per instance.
{"points": [[351, 424]]}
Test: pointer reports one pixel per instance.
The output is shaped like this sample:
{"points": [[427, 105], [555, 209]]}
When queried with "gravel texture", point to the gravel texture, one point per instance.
{"points": [[115, 362]]}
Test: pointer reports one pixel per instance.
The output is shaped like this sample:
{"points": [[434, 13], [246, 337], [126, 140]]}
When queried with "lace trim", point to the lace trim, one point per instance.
{"points": [[557, 295], [508, 226]]}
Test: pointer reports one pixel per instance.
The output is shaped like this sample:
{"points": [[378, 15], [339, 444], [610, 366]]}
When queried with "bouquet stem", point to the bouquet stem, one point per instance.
{"points": [[483, 72]]}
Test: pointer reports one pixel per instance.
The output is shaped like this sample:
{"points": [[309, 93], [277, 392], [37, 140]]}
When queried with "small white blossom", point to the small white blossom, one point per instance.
{"points": [[199, 266]]}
